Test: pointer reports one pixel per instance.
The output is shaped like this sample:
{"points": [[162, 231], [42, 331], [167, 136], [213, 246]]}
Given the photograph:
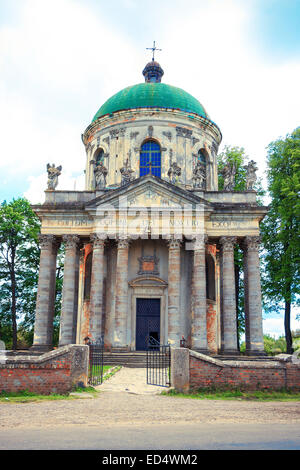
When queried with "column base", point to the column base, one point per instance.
{"points": [[255, 353], [202, 351], [229, 352], [42, 348]]}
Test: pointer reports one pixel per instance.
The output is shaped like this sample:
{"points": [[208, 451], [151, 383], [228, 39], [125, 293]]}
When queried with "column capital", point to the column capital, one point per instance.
{"points": [[200, 241], [174, 243], [48, 241], [70, 241], [251, 243], [123, 243], [227, 243], [98, 240]]}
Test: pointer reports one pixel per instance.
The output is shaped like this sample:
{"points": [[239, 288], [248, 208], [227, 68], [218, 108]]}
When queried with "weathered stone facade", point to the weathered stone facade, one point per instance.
{"points": [[141, 236]]}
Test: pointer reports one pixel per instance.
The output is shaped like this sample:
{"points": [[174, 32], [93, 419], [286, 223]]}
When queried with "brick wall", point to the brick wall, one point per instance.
{"points": [[58, 371], [207, 372]]}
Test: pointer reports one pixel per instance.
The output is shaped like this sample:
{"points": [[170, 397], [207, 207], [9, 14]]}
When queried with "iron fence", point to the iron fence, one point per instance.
{"points": [[158, 363], [96, 362]]}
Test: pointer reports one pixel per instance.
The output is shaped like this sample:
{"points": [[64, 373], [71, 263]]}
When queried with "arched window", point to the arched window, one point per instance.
{"points": [[150, 159], [99, 156], [202, 156]]}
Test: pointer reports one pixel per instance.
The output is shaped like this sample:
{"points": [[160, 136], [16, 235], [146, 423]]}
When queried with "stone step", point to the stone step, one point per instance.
{"points": [[126, 359]]}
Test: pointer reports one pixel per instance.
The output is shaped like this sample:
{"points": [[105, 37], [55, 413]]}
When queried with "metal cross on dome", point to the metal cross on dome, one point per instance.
{"points": [[153, 49]]}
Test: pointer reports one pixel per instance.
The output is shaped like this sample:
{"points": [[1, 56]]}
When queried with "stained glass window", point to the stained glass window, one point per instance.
{"points": [[150, 157]]}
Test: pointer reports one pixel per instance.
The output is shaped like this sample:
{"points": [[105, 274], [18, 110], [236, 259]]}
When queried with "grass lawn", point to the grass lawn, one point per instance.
{"points": [[258, 395]]}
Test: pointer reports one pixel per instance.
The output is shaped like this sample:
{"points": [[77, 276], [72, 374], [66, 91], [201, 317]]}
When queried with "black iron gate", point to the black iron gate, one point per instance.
{"points": [[158, 363], [96, 362]]}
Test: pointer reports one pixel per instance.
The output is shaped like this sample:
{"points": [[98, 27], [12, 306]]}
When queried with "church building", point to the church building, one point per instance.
{"points": [[149, 243]]}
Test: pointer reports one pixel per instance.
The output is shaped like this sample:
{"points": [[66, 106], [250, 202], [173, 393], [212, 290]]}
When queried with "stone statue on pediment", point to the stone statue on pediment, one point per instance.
{"points": [[100, 172], [251, 177], [53, 174], [126, 173], [199, 175], [174, 173]]}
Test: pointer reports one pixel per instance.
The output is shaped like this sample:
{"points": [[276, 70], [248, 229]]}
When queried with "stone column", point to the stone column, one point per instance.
{"points": [[43, 326], [228, 297], [66, 333], [96, 297], [253, 310], [174, 326], [121, 306], [199, 325], [80, 296]]}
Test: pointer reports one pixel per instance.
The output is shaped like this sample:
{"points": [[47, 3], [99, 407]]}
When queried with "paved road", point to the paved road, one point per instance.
{"points": [[149, 437]]}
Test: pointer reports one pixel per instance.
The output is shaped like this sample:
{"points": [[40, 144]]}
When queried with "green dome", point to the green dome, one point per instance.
{"points": [[151, 95]]}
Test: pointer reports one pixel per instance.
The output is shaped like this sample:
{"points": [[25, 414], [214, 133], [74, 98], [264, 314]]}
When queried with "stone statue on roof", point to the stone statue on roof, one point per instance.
{"points": [[228, 174], [53, 174], [251, 177]]}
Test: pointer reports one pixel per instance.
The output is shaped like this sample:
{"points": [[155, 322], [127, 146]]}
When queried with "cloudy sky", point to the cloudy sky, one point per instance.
{"points": [[61, 59]]}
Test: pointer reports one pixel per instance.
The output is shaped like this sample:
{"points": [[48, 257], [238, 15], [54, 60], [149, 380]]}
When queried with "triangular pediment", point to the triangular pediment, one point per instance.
{"points": [[147, 192]]}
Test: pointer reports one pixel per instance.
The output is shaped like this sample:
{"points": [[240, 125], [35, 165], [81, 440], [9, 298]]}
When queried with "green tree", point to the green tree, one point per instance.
{"points": [[237, 157], [19, 258], [281, 230]]}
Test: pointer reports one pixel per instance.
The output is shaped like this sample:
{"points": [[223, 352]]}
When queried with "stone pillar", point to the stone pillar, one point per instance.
{"points": [[43, 326], [253, 310], [96, 297], [228, 297], [174, 326], [121, 306], [80, 296], [70, 286], [199, 324]]}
